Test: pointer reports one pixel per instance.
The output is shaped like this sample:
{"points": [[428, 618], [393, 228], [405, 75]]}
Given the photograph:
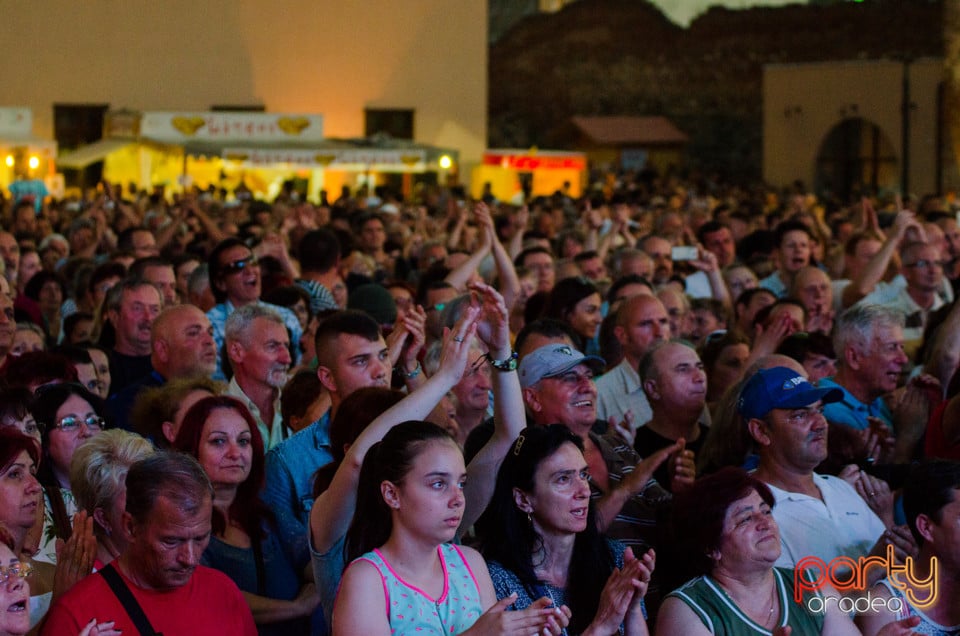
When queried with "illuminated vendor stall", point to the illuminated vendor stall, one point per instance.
{"points": [[24, 157], [515, 175], [259, 150]]}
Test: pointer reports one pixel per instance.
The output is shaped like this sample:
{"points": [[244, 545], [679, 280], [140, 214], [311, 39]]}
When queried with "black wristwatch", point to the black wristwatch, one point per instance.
{"points": [[509, 364]]}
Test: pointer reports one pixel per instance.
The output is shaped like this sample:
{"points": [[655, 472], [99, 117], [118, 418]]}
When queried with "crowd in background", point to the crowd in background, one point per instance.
{"points": [[635, 411]]}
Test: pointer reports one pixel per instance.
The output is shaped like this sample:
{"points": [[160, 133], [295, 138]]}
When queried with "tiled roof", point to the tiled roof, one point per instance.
{"points": [[630, 130]]}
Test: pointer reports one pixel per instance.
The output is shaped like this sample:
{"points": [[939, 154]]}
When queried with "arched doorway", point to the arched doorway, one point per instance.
{"points": [[856, 156]]}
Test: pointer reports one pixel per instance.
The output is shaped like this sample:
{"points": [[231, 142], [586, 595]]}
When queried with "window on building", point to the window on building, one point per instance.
{"points": [[398, 123], [76, 125], [238, 108]]}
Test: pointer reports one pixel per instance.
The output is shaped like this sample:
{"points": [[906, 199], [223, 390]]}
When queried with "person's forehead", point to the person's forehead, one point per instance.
{"points": [[887, 333], [8, 240], [189, 317], [580, 368], [400, 292], [750, 500], [763, 298], [676, 353], [633, 289], [143, 237], [795, 236], [810, 405], [141, 294], [349, 345], [670, 299], [157, 272], [167, 516], [812, 275], [786, 307], [656, 245], [934, 233], [266, 329], [721, 234], [234, 253], [645, 307], [922, 252], [537, 257]]}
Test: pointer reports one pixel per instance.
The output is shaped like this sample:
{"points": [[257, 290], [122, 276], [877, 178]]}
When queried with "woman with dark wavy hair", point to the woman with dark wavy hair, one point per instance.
{"points": [[576, 301], [541, 538], [68, 415], [222, 435]]}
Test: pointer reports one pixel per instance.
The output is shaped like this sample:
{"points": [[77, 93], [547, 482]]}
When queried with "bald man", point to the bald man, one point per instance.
{"points": [[181, 346], [641, 321]]}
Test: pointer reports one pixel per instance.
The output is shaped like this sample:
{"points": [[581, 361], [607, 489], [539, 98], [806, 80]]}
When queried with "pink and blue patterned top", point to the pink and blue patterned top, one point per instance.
{"points": [[410, 610]]}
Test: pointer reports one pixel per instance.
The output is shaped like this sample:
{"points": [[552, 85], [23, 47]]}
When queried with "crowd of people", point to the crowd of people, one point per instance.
{"points": [[664, 407]]}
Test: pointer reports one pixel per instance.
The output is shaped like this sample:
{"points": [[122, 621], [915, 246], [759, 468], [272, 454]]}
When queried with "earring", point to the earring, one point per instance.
{"points": [[529, 519]]}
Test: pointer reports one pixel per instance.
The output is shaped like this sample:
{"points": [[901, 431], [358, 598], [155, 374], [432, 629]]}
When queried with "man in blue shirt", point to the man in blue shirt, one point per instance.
{"points": [[868, 341], [352, 354]]}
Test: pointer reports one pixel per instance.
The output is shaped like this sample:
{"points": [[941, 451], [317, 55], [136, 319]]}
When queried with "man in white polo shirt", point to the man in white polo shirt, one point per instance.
{"points": [[818, 515]]}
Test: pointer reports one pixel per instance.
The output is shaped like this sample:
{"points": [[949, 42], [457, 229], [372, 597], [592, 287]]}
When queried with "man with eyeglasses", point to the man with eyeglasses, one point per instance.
{"points": [[922, 269], [818, 515], [235, 282]]}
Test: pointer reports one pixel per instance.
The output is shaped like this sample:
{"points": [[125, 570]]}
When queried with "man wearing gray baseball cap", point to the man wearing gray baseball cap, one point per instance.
{"points": [[558, 388]]}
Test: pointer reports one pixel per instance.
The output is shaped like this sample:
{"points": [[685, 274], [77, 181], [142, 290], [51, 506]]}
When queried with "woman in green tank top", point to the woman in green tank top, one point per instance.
{"points": [[728, 534]]}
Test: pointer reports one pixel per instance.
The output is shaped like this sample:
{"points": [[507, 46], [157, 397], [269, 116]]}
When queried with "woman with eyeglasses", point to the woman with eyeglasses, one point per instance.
{"points": [[68, 415], [540, 539], [730, 543], [15, 594], [14, 590]]}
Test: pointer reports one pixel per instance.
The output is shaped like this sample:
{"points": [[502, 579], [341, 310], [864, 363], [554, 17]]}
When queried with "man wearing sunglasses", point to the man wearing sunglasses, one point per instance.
{"points": [[235, 282]]}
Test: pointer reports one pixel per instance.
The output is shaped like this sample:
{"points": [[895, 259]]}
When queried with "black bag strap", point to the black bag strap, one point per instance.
{"points": [[261, 568], [125, 596]]}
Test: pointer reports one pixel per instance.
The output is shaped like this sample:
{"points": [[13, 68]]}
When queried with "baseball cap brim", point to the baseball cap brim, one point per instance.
{"points": [[796, 400], [596, 363]]}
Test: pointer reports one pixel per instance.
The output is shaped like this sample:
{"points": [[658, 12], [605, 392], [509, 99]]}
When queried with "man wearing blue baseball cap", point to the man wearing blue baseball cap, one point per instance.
{"points": [[818, 515]]}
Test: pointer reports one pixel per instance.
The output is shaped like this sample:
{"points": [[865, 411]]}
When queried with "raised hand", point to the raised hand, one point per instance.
{"points": [[637, 479], [456, 344], [493, 322], [682, 468], [624, 428], [76, 555]]}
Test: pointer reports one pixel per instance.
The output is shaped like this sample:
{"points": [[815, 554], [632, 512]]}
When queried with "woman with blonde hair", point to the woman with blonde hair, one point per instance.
{"points": [[98, 472]]}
